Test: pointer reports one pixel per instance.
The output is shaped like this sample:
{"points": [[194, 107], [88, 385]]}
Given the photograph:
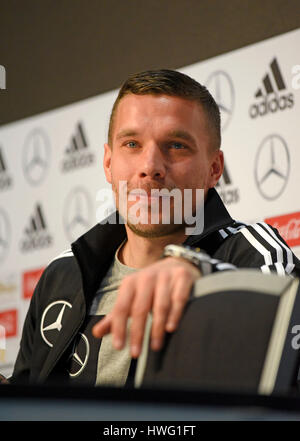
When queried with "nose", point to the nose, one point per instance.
{"points": [[152, 162]]}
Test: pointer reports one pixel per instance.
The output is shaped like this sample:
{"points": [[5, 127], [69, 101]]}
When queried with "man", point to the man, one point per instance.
{"points": [[164, 133]]}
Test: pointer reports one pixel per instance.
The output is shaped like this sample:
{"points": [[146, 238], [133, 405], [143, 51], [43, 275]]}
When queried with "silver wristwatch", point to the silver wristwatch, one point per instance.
{"points": [[194, 255]]}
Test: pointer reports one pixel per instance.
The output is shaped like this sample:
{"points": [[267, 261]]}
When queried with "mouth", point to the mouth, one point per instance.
{"points": [[147, 195]]}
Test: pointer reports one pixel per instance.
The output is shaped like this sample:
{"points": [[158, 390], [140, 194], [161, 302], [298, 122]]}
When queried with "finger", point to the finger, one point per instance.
{"points": [[161, 308], [3, 380], [140, 309], [180, 295], [121, 312], [103, 327]]}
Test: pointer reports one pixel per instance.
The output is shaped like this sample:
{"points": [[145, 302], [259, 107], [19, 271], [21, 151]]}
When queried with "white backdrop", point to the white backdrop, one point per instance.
{"points": [[51, 167]]}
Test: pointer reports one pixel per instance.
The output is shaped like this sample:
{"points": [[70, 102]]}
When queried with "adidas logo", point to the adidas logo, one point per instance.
{"points": [[77, 152], [5, 179], [228, 193], [36, 232], [272, 84]]}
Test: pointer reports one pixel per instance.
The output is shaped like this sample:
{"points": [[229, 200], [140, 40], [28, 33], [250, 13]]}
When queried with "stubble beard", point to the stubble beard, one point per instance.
{"points": [[151, 230], [155, 230]]}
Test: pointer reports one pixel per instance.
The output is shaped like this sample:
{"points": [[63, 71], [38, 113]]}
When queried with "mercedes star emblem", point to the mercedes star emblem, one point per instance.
{"points": [[52, 320], [36, 156], [77, 213], [272, 167], [80, 355], [220, 86]]}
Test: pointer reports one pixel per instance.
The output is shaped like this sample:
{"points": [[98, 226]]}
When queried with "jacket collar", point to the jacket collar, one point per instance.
{"points": [[95, 249], [216, 217]]}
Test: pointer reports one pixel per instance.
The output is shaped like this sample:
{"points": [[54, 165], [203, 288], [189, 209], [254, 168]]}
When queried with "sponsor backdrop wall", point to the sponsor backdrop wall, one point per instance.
{"points": [[51, 168]]}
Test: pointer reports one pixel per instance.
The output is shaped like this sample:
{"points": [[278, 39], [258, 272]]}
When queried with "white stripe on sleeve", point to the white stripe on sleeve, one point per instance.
{"points": [[223, 233], [258, 246], [67, 253], [290, 265], [271, 241], [265, 269]]}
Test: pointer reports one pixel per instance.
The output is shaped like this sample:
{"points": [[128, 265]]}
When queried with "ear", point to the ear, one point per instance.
{"points": [[216, 169], [107, 162]]}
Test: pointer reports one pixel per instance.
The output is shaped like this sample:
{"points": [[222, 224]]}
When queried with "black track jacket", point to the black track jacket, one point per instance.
{"points": [[71, 280]]}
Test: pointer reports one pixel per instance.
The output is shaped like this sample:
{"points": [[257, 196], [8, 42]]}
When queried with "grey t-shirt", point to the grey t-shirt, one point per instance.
{"points": [[113, 365]]}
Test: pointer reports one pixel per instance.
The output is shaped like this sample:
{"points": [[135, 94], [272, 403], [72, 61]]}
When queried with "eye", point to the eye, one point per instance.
{"points": [[177, 145], [131, 144]]}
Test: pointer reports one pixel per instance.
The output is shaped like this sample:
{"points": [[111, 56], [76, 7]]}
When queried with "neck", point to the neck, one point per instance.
{"points": [[139, 252]]}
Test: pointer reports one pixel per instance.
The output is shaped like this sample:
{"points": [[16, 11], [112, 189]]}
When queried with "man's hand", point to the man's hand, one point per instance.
{"points": [[3, 380], [163, 288]]}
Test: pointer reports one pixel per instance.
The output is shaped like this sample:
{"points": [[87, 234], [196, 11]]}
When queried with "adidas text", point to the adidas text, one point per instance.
{"points": [[83, 160], [271, 106], [37, 242], [231, 196]]}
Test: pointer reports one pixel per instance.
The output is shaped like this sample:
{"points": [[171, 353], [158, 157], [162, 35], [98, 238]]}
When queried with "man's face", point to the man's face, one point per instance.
{"points": [[159, 141]]}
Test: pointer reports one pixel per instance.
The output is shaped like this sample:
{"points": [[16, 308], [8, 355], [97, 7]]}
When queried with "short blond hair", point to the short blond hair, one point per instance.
{"points": [[172, 83]]}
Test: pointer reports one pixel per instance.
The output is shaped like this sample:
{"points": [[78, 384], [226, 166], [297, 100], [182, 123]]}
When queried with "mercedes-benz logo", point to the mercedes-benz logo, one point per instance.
{"points": [[220, 86], [80, 355], [77, 213], [36, 156], [52, 320], [272, 167], [4, 234]]}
